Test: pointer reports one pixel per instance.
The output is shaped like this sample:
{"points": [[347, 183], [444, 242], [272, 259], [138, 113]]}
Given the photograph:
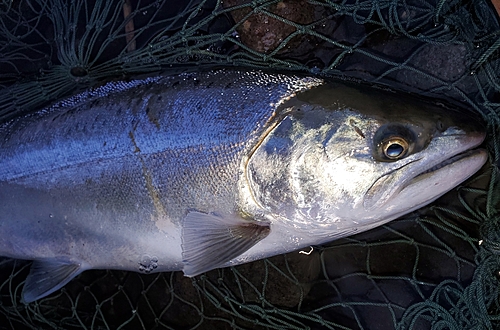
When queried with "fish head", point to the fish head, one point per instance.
{"points": [[344, 157]]}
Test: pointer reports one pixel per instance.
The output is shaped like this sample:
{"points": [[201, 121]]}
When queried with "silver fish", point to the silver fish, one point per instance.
{"points": [[205, 170]]}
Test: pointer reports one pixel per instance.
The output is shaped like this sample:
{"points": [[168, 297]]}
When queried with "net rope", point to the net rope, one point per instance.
{"points": [[437, 268]]}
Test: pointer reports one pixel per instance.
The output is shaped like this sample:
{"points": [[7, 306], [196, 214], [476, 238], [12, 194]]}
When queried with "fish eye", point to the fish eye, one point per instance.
{"points": [[394, 148], [393, 142]]}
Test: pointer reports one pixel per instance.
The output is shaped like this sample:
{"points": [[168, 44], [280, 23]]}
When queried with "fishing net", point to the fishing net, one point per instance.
{"points": [[437, 268]]}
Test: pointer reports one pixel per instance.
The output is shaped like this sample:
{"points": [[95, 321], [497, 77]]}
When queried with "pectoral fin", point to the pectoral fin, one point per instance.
{"points": [[47, 276], [209, 241]]}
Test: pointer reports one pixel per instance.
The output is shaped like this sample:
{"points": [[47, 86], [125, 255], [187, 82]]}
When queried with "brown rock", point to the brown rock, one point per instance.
{"points": [[264, 33]]}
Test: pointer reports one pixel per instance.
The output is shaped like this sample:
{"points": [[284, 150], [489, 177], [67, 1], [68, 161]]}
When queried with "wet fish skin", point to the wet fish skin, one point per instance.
{"points": [[204, 170]]}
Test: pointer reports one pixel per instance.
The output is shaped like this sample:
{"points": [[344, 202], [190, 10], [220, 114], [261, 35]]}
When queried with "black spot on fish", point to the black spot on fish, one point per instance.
{"points": [[440, 126], [356, 128], [153, 117], [298, 113]]}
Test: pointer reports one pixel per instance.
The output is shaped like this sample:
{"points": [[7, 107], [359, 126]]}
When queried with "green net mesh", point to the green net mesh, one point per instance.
{"points": [[438, 268]]}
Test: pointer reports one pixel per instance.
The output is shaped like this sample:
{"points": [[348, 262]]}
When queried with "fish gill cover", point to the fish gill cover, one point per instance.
{"points": [[438, 268]]}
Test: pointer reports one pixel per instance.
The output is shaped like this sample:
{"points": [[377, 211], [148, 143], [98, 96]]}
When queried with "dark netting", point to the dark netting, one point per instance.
{"points": [[438, 268]]}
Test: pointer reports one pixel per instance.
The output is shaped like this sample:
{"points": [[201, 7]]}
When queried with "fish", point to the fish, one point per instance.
{"points": [[203, 170]]}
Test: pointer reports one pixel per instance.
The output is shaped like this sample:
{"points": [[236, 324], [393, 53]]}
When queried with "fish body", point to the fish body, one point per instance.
{"points": [[205, 170]]}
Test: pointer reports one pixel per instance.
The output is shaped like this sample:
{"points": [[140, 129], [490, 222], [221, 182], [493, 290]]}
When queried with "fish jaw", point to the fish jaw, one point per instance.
{"points": [[416, 193]]}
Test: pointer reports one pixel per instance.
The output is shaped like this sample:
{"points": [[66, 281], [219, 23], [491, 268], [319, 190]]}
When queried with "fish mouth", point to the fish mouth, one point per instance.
{"points": [[446, 164]]}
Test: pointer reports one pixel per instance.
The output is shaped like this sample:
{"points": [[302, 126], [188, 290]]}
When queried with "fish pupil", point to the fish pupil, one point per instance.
{"points": [[394, 150]]}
